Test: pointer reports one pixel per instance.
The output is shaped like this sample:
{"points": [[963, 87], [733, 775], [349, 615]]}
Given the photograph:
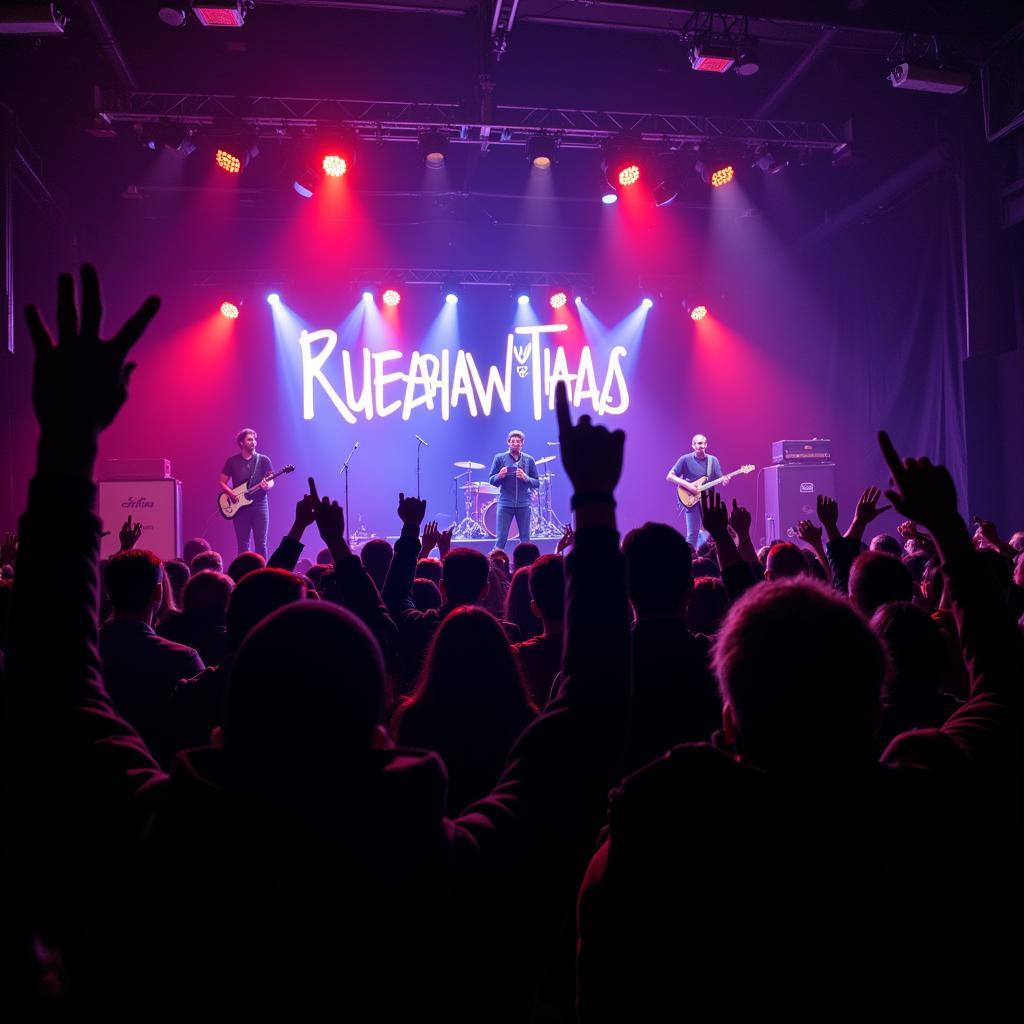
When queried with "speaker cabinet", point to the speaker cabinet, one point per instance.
{"points": [[154, 503], [791, 494]]}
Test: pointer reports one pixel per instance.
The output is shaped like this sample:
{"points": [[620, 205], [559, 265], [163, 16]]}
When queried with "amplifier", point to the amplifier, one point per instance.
{"points": [[156, 504], [817, 449], [135, 469]]}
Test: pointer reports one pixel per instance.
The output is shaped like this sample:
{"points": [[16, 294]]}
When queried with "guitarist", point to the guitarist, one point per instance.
{"points": [[691, 467], [251, 468]]}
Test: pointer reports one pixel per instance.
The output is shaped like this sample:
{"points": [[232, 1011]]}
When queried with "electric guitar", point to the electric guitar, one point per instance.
{"points": [[703, 484], [243, 493]]}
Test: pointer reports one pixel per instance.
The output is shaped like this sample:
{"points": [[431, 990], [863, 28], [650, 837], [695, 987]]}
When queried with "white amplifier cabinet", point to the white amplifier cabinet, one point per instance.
{"points": [[154, 503]]}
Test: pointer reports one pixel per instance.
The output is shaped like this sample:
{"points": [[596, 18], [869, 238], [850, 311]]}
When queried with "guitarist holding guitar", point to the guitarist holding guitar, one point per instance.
{"points": [[253, 469], [695, 472]]}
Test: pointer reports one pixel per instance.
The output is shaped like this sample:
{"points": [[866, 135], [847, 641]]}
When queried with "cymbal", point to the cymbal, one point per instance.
{"points": [[483, 488], [468, 465], [547, 458]]}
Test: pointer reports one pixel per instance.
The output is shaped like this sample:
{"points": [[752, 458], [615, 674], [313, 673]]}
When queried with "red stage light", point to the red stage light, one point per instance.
{"points": [[391, 297], [229, 309], [228, 162], [558, 300], [334, 166], [722, 176], [698, 312], [629, 175]]}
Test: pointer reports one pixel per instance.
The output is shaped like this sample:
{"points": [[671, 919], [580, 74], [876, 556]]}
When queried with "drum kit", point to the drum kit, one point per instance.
{"points": [[480, 506]]}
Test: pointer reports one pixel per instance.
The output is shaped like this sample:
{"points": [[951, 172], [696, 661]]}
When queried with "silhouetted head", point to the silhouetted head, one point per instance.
{"points": [[305, 695], [876, 578], [547, 588], [784, 561], [256, 596], [376, 557], [134, 580], [658, 568], [246, 562], [464, 576], [800, 673], [525, 553]]}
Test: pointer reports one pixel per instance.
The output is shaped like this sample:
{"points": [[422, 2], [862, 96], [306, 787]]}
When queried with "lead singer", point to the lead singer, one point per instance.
{"points": [[514, 473]]}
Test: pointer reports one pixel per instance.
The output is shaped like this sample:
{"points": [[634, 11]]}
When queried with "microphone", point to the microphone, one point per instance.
{"points": [[553, 444], [355, 446], [421, 441]]}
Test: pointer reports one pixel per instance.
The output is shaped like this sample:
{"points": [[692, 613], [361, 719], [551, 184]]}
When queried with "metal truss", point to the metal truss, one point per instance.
{"points": [[388, 121], [578, 283]]}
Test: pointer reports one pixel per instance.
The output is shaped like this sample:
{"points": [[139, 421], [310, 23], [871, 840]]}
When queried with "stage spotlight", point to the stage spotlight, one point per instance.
{"points": [[229, 310], [451, 289], [235, 157], [273, 298], [767, 162], [715, 170], [523, 300], [221, 13], [713, 53], [610, 198], [578, 301], [391, 297], [542, 151], [334, 165], [647, 303], [367, 295], [305, 184], [434, 147], [698, 312], [665, 191], [558, 299], [629, 174]]}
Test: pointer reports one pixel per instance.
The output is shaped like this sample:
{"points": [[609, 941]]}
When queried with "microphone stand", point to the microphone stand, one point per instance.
{"points": [[344, 471], [419, 445]]}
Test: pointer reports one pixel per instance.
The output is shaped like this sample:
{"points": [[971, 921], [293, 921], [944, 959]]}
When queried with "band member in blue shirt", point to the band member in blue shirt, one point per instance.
{"points": [[514, 473], [692, 466]]}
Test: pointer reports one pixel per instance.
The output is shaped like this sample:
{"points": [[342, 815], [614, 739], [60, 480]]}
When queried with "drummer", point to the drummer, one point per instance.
{"points": [[514, 473]]}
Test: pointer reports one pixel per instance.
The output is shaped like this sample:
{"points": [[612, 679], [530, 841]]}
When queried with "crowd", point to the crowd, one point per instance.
{"points": [[592, 784]]}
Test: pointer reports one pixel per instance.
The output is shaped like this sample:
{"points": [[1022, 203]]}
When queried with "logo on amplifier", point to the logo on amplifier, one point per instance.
{"points": [[137, 503], [807, 488]]}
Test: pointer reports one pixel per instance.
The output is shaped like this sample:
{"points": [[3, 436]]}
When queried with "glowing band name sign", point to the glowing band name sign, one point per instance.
{"points": [[449, 380]]}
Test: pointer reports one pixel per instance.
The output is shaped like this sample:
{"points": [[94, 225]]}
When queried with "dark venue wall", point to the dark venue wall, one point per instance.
{"points": [[874, 287]]}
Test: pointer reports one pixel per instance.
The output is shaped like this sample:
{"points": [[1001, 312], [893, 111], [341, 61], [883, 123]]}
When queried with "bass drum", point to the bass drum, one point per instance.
{"points": [[489, 517]]}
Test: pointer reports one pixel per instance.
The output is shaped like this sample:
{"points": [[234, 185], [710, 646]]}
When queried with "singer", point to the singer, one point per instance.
{"points": [[514, 473], [251, 468]]}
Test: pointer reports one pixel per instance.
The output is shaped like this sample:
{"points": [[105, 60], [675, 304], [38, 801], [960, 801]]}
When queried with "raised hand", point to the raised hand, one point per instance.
{"points": [[988, 531], [8, 549], [81, 382], [809, 533], [305, 507], [592, 456], [129, 534], [908, 529], [565, 541], [867, 510], [740, 520], [429, 538], [444, 542], [922, 492], [714, 514], [329, 517], [828, 515], [411, 510]]}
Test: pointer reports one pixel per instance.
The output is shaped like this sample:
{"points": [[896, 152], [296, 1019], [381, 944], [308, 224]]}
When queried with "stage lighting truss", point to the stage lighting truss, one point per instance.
{"points": [[387, 122]]}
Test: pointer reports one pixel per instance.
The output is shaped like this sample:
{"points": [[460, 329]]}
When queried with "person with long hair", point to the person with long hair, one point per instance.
{"points": [[470, 704]]}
